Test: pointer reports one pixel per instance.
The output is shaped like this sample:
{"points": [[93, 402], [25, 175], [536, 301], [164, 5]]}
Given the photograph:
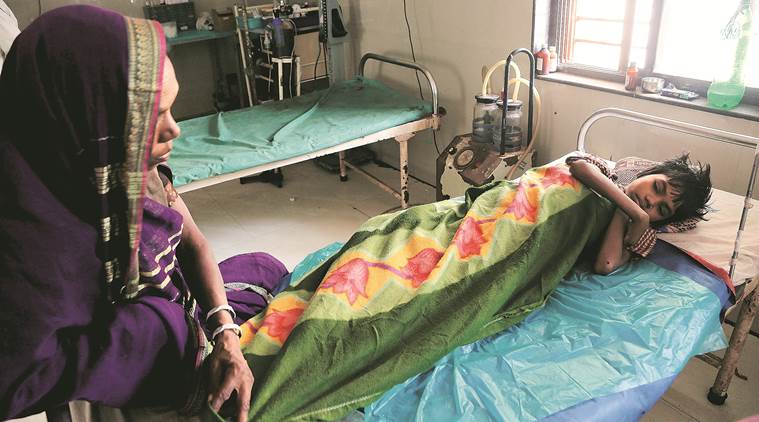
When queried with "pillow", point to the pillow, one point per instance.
{"points": [[628, 168]]}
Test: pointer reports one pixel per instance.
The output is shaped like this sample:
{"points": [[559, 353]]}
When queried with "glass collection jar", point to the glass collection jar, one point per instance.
{"points": [[513, 132], [484, 118]]}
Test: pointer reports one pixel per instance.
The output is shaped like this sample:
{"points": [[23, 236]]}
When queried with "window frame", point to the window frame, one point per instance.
{"points": [[751, 97]]}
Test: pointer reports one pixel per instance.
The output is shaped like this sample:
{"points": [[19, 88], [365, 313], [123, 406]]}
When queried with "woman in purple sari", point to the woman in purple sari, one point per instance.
{"points": [[93, 302]]}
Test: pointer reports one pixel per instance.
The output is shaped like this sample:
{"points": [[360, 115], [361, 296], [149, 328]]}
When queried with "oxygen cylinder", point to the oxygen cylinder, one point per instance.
{"points": [[282, 34]]}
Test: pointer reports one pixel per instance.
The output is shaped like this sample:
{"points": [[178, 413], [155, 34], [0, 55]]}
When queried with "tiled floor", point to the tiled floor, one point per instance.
{"points": [[686, 399], [314, 209]]}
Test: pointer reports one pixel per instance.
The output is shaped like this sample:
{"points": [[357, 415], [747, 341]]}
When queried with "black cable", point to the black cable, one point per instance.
{"points": [[434, 141], [411, 42], [292, 58], [416, 73], [326, 71], [39, 8], [316, 63]]}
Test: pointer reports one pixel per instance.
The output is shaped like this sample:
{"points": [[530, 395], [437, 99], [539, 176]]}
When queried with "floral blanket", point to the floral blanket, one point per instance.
{"points": [[409, 287]]}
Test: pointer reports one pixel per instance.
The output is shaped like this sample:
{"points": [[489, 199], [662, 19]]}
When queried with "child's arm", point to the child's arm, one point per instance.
{"points": [[228, 369], [613, 253], [626, 227]]}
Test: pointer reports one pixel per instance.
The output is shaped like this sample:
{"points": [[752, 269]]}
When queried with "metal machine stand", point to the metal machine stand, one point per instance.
{"points": [[246, 50], [292, 61], [530, 97], [334, 36]]}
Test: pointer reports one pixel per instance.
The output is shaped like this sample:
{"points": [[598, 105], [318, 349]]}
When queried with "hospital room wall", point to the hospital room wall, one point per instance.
{"points": [[192, 61], [454, 40], [566, 107], [27, 10]]}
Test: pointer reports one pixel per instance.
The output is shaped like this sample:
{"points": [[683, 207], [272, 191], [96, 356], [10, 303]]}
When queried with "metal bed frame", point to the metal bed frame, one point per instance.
{"points": [[718, 392], [401, 133]]}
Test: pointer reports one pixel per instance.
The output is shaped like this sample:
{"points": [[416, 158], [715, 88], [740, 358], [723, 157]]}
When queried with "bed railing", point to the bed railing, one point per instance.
{"points": [[403, 63], [718, 392]]}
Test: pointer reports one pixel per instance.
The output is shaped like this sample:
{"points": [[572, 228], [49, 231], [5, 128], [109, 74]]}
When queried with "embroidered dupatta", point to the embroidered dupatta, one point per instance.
{"points": [[80, 90]]}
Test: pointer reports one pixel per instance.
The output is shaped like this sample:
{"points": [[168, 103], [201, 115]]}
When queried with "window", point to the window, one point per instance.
{"points": [[688, 42], [701, 42]]}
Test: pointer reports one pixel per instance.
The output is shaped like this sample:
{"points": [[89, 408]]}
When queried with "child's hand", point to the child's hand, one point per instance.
{"points": [[635, 228]]}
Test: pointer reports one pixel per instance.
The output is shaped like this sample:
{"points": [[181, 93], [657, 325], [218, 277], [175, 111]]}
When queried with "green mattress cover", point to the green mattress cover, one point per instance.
{"points": [[231, 141]]}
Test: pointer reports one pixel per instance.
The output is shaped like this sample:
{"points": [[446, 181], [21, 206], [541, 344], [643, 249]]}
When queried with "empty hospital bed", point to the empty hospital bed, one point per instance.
{"points": [[352, 113]]}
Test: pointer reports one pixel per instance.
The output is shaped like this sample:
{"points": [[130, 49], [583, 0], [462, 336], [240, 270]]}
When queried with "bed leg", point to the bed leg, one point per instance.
{"points": [[718, 392], [403, 146], [343, 172]]}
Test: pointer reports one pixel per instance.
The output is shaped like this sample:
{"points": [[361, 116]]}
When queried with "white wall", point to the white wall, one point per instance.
{"points": [[566, 107], [454, 39]]}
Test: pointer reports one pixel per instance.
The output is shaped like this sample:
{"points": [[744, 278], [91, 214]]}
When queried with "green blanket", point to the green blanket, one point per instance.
{"points": [[409, 287]]}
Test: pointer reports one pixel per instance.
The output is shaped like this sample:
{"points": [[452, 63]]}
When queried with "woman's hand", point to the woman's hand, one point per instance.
{"points": [[636, 227], [229, 372]]}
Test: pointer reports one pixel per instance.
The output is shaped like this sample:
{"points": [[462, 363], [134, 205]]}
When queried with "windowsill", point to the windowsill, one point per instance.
{"points": [[742, 111]]}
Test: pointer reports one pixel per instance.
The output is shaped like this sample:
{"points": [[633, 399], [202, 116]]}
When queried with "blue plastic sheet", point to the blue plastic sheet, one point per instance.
{"points": [[313, 260], [597, 336]]}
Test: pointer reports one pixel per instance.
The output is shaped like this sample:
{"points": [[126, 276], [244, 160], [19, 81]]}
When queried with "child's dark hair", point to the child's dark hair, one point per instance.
{"points": [[693, 185]]}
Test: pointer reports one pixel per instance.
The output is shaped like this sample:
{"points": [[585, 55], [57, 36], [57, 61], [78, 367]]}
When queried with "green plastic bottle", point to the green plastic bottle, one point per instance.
{"points": [[727, 94]]}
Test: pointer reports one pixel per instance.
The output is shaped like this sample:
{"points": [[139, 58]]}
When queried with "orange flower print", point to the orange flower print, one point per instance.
{"points": [[421, 265], [524, 206], [469, 238], [350, 279], [279, 324], [558, 176]]}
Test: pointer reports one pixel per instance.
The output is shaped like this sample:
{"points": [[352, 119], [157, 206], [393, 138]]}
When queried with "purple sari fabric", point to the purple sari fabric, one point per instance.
{"points": [[76, 122], [65, 91]]}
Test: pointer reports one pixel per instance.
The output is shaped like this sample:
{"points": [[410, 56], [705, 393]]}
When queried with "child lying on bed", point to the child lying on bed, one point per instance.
{"points": [[408, 287], [674, 191]]}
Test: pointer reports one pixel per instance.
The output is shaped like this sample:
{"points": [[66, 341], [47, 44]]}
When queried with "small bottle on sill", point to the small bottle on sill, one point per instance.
{"points": [[631, 77], [554, 59], [542, 61]]}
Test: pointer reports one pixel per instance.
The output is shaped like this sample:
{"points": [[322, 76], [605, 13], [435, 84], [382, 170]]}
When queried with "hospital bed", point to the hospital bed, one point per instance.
{"points": [[606, 347], [352, 113], [603, 347]]}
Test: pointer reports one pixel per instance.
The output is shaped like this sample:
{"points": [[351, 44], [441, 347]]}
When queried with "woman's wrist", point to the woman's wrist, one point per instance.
{"points": [[227, 336], [219, 319], [220, 315], [222, 332]]}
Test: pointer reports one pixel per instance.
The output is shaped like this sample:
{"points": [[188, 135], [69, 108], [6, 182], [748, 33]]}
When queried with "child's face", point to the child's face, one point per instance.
{"points": [[166, 129], [655, 195]]}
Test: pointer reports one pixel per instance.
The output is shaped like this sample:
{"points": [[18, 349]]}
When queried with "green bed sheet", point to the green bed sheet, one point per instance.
{"points": [[231, 141]]}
